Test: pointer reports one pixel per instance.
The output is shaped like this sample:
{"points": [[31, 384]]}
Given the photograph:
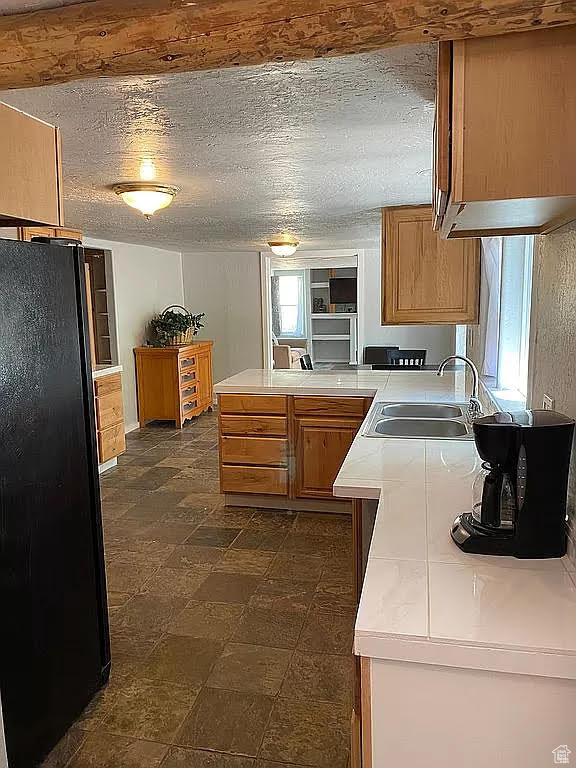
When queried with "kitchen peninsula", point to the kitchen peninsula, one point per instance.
{"points": [[450, 647]]}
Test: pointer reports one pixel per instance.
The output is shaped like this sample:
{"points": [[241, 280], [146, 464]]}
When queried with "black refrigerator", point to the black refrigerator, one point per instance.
{"points": [[54, 641]]}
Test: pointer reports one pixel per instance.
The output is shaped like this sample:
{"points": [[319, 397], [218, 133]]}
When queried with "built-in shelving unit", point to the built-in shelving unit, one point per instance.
{"points": [[333, 333]]}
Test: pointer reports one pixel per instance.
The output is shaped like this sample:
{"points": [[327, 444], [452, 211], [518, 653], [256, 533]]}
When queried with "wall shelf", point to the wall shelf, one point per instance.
{"points": [[331, 337]]}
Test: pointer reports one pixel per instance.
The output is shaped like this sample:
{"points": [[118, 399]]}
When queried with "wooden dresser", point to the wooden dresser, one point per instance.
{"points": [[174, 383], [109, 416]]}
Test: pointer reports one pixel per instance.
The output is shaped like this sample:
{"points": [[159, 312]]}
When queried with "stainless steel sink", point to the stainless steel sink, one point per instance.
{"points": [[445, 428], [436, 421], [422, 410]]}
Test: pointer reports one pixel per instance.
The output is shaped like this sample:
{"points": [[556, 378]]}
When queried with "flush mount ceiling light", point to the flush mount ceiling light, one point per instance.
{"points": [[283, 245], [147, 198]]}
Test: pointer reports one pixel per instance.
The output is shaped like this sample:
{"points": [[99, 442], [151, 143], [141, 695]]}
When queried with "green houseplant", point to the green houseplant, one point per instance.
{"points": [[174, 327]]}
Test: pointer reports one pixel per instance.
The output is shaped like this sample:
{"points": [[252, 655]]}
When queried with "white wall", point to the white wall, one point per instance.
{"points": [[146, 281], [226, 286], [439, 340]]}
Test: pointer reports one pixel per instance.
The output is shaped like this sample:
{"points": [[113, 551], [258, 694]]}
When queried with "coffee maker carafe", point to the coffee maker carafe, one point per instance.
{"points": [[519, 498]]}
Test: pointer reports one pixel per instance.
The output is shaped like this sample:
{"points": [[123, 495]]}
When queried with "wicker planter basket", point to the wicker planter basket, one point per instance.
{"points": [[185, 337]]}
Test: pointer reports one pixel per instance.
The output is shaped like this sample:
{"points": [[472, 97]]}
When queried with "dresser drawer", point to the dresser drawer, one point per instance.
{"points": [[254, 425], [187, 378], [107, 384], [189, 393], [109, 410], [253, 404], [260, 480], [189, 407], [266, 451], [187, 362], [111, 442], [330, 406]]}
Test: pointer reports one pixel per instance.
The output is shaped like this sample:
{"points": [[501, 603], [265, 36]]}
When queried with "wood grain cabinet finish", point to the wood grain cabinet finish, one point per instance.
{"points": [[504, 134], [296, 455], [30, 159], [109, 417], [424, 278], [174, 383], [321, 445]]}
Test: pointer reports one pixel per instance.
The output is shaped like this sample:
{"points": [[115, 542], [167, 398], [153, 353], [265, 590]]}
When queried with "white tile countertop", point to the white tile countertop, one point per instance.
{"points": [[423, 599], [105, 370]]}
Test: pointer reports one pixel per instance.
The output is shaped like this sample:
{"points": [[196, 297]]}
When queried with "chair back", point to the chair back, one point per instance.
{"points": [[407, 358]]}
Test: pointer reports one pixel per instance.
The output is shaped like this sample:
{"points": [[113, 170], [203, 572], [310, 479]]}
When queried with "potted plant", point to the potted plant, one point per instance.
{"points": [[170, 327]]}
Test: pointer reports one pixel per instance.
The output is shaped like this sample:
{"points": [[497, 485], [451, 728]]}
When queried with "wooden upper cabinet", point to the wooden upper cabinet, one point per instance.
{"points": [[425, 279], [27, 233], [506, 110], [30, 159]]}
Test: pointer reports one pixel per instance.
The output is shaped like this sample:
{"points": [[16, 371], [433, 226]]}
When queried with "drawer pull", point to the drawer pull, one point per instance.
{"points": [[187, 362], [190, 405], [186, 377]]}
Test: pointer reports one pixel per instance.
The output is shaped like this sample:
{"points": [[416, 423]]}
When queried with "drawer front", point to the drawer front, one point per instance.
{"points": [[107, 384], [330, 406], [190, 393], [253, 403], [189, 407], [267, 451], [254, 425], [111, 442], [261, 480], [109, 410], [187, 361], [187, 378]]}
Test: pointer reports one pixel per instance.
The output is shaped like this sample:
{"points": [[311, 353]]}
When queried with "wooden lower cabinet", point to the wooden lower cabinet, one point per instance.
{"points": [[109, 417], [283, 445], [174, 383], [321, 445]]}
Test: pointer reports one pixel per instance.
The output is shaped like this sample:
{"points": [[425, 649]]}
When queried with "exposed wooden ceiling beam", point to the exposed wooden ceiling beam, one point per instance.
{"points": [[108, 37]]}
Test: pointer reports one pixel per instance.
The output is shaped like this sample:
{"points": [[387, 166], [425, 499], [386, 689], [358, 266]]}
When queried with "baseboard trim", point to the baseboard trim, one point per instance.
{"points": [[107, 465], [131, 427], [294, 505]]}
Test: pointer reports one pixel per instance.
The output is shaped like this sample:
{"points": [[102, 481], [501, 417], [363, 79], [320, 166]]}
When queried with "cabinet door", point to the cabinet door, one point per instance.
{"points": [[425, 279], [204, 363], [321, 446], [441, 174]]}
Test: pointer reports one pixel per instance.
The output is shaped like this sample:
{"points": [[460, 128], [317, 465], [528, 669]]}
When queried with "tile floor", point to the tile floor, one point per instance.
{"points": [[231, 628]]}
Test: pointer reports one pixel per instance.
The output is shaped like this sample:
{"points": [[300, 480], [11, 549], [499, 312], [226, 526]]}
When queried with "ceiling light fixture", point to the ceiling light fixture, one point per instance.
{"points": [[147, 198], [284, 245]]}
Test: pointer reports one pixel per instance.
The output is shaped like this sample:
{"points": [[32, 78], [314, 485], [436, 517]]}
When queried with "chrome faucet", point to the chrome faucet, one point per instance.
{"points": [[474, 405]]}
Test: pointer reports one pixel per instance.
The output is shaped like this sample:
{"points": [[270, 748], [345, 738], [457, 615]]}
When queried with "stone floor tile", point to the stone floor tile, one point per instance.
{"points": [[231, 517], [279, 629], [183, 757], [182, 659], [307, 544], [197, 558], [280, 595], [323, 524], [207, 501], [319, 677], [250, 668], [328, 632], [244, 561], [288, 565], [266, 541], [192, 515], [211, 536], [105, 750], [168, 532], [203, 619], [272, 519], [331, 596], [245, 716], [148, 614], [307, 733], [227, 588], [150, 709], [175, 582]]}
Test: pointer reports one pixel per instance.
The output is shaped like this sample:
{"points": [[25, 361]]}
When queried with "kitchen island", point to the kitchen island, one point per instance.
{"points": [[461, 659]]}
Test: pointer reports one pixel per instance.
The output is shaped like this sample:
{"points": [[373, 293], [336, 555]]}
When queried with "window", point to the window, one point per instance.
{"points": [[505, 311], [288, 312]]}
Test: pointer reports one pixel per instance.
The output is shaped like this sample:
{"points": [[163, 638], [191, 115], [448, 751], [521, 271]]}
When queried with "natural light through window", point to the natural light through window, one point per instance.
{"points": [[291, 301]]}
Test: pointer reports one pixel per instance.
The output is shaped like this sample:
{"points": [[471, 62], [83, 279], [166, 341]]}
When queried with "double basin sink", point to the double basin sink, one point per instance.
{"points": [[438, 421]]}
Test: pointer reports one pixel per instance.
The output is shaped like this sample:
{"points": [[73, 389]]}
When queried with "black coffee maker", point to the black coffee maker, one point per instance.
{"points": [[520, 504]]}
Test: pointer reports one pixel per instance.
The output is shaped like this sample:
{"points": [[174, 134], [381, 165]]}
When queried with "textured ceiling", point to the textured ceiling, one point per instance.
{"points": [[313, 148]]}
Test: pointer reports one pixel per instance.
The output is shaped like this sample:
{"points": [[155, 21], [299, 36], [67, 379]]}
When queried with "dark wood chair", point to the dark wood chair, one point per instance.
{"points": [[306, 363], [412, 359], [377, 357]]}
